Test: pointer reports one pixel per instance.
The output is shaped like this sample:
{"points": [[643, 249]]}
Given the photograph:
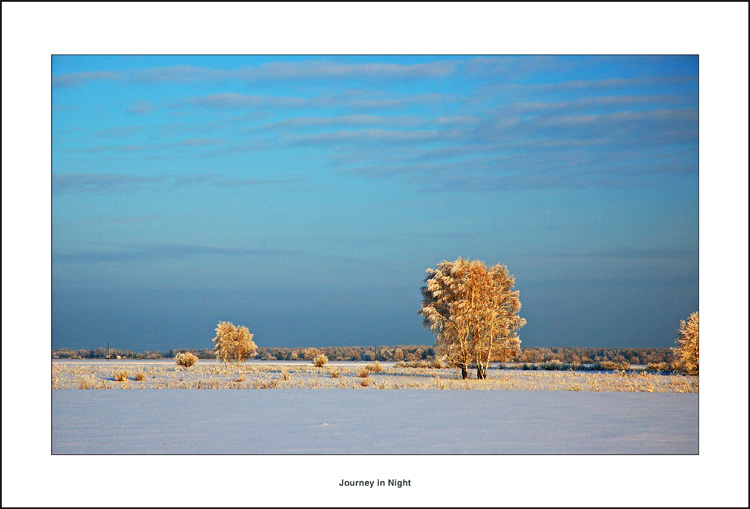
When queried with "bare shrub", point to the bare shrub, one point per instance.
{"points": [[363, 372], [121, 376], [364, 382], [375, 367], [613, 366], [320, 360], [552, 365], [185, 360], [285, 375], [140, 376], [335, 372], [436, 364], [418, 364], [400, 364]]}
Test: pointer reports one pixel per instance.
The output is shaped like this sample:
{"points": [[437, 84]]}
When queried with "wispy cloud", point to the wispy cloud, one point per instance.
{"points": [[512, 150], [148, 252], [122, 183], [370, 136], [364, 120], [118, 132], [636, 253], [307, 70], [150, 147], [514, 66], [234, 101], [78, 79], [351, 100], [100, 182], [255, 182], [593, 85], [141, 108]]}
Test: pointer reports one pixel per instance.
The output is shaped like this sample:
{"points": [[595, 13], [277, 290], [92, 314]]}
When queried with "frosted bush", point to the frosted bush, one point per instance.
{"points": [[185, 360]]}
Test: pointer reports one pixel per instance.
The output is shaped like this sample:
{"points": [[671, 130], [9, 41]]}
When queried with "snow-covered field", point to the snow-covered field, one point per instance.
{"points": [[210, 374], [332, 421]]}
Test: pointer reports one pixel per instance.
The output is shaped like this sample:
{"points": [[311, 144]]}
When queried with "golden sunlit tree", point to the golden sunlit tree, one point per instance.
{"points": [[473, 312], [233, 343], [495, 308], [687, 341]]}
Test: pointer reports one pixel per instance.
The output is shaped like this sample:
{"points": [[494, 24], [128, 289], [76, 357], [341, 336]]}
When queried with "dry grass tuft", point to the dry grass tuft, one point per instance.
{"points": [[285, 376], [121, 376], [320, 361], [658, 366], [264, 384], [140, 376], [335, 372], [240, 378], [363, 372], [364, 382], [87, 382]]}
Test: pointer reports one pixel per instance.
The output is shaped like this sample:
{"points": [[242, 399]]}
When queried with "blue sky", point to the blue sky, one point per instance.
{"points": [[304, 197]]}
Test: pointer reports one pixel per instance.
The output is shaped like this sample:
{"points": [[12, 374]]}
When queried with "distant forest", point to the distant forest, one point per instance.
{"points": [[393, 353]]}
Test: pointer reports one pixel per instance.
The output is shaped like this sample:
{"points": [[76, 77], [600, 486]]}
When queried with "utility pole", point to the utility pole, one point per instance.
{"points": [[107, 351]]}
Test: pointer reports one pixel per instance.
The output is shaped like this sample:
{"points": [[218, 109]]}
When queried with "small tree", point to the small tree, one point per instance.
{"points": [[687, 341], [234, 343]]}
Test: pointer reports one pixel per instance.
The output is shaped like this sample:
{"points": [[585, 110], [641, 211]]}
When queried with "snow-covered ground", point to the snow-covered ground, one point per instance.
{"points": [[331, 421]]}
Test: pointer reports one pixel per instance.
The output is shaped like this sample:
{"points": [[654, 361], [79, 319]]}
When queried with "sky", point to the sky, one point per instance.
{"points": [[305, 196]]}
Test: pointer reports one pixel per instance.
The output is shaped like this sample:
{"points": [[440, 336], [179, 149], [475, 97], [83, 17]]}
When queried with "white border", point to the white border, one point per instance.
{"points": [[717, 32]]}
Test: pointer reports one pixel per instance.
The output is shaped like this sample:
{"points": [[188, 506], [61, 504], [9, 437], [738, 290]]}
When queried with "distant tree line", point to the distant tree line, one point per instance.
{"points": [[350, 353], [101, 353], [393, 353], [593, 355]]}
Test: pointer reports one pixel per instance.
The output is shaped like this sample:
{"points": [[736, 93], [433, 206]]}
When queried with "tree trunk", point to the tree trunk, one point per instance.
{"points": [[464, 372], [481, 372]]}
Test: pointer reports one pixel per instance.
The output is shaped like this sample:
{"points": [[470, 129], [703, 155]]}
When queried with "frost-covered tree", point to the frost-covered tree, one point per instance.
{"points": [[495, 307], [687, 341], [233, 343], [473, 312], [444, 311]]}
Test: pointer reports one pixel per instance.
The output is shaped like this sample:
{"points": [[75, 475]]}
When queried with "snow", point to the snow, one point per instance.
{"points": [[331, 421]]}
